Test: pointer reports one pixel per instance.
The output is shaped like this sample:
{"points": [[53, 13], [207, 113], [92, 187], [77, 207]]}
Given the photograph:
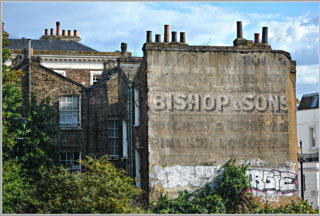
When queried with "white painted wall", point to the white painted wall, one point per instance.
{"points": [[306, 119]]}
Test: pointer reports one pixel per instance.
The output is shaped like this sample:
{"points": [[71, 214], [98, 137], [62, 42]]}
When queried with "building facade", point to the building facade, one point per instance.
{"points": [[308, 137]]}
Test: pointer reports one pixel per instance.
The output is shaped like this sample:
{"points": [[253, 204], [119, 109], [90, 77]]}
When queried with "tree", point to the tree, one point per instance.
{"points": [[41, 138], [11, 104], [101, 188]]}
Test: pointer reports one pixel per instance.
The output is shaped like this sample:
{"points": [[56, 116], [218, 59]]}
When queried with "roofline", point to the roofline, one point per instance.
{"points": [[88, 53]]}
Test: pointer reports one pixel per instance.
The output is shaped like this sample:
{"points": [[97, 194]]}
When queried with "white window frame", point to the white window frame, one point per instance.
{"points": [[61, 72], [63, 157], [136, 108], [73, 124], [92, 74], [113, 137]]}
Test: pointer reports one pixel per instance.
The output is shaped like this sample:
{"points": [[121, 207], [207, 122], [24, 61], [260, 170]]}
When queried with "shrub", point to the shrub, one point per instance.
{"points": [[101, 188]]}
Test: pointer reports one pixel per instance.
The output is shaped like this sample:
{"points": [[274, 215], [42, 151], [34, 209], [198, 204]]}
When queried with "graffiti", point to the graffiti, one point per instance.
{"points": [[291, 164], [255, 162], [168, 102], [272, 182], [178, 177], [267, 182], [270, 199]]}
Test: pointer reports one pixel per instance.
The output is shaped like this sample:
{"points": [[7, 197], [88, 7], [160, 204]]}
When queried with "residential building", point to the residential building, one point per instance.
{"points": [[308, 137]]}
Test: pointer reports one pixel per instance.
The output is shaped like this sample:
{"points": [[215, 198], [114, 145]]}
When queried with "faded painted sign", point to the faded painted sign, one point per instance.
{"points": [[264, 182]]}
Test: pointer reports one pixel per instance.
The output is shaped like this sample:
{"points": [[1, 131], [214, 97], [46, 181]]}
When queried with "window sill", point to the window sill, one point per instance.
{"points": [[71, 128], [114, 157]]}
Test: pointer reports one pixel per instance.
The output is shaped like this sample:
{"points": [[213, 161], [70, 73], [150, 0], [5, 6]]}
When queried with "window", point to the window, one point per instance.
{"points": [[136, 108], [312, 135], [95, 76], [113, 137], [124, 140], [69, 111], [62, 72], [71, 160], [315, 101]]}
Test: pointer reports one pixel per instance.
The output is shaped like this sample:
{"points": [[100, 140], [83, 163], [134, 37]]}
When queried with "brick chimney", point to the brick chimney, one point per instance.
{"points": [[63, 36]]}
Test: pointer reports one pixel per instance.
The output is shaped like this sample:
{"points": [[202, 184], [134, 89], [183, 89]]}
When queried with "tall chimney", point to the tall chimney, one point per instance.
{"points": [[265, 35], [58, 28], [182, 37], [63, 32], [239, 29], [174, 36], [158, 38], [256, 38], [123, 48], [75, 33], [69, 32], [51, 31], [2, 27], [46, 32], [149, 36], [166, 33]]}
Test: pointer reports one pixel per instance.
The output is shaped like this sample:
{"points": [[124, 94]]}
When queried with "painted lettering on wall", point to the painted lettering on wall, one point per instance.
{"points": [[210, 103], [264, 182]]}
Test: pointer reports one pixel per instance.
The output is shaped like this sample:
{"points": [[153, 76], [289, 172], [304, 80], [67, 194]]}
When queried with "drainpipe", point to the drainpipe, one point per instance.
{"points": [[29, 69]]}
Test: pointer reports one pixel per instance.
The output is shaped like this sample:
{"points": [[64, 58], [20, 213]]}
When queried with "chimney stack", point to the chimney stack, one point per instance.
{"points": [[46, 32], [75, 33], [265, 35], [123, 48], [51, 31], [256, 38], [158, 38], [174, 36], [166, 33], [149, 36], [239, 29], [2, 27], [63, 32], [182, 37], [69, 32], [58, 28]]}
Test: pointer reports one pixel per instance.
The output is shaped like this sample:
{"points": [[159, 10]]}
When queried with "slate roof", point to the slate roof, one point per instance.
{"points": [[309, 101], [51, 45]]}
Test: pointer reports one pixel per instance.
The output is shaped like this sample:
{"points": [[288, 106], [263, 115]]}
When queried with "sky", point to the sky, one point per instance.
{"points": [[292, 26]]}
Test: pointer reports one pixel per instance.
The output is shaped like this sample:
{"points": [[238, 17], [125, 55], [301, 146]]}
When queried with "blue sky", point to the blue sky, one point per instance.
{"points": [[293, 26]]}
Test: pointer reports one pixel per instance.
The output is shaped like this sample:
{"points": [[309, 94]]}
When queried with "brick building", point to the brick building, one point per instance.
{"points": [[174, 116]]}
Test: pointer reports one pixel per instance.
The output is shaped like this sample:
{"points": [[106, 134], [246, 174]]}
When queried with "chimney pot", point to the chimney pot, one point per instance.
{"points": [[58, 28], [265, 35], [46, 32], [2, 27], [256, 38], [239, 29], [51, 31], [182, 37], [123, 48], [69, 32], [166, 33], [63, 32], [75, 33], [174, 36], [149, 36], [158, 38]]}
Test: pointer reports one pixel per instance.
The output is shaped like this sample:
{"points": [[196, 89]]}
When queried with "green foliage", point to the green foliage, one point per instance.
{"points": [[101, 188], [301, 207], [15, 188], [202, 201], [40, 145], [11, 104]]}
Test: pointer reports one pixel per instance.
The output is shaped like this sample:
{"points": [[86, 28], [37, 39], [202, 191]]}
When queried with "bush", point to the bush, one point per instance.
{"points": [[101, 188], [15, 189]]}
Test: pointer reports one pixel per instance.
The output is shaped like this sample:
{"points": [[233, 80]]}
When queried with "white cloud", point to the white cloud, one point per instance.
{"points": [[308, 74]]}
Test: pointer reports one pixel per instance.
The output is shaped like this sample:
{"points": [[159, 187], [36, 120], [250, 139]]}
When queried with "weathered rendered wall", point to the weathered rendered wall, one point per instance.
{"points": [[210, 104]]}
